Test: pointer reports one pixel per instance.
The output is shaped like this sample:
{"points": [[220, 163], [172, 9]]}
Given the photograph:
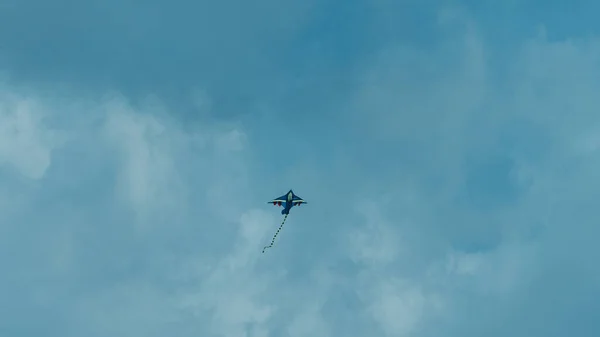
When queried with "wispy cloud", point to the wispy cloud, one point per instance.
{"points": [[451, 193]]}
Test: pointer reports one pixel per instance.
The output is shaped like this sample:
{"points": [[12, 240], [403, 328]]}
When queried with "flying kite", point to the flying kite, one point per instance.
{"points": [[288, 201]]}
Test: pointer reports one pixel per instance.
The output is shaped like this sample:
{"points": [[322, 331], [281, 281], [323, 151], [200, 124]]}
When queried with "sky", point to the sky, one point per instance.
{"points": [[449, 153]]}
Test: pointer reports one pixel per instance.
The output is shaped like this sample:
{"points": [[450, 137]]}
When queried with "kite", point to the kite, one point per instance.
{"points": [[288, 201]]}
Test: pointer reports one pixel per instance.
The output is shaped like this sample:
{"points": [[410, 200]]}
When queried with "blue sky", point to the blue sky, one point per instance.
{"points": [[449, 152]]}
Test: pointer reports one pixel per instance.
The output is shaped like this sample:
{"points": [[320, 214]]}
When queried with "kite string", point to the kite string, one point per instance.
{"points": [[274, 236]]}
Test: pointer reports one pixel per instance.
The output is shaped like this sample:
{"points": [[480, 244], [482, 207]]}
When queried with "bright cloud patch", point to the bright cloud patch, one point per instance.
{"points": [[26, 143]]}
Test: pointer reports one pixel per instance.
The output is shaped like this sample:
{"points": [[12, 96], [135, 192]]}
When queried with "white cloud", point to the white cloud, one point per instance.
{"points": [[150, 179], [398, 294], [424, 261], [156, 157], [309, 321], [157, 169], [545, 124], [377, 243], [498, 272], [231, 296], [26, 143], [233, 140], [399, 307], [134, 308]]}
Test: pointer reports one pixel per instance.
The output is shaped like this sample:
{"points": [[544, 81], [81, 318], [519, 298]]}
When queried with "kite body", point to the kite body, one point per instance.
{"points": [[288, 201]]}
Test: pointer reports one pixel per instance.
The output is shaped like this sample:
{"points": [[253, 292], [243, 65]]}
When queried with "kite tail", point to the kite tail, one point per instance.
{"points": [[274, 236]]}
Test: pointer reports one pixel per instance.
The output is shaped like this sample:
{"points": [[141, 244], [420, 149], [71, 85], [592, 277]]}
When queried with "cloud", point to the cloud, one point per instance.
{"points": [[233, 299], [466, 127], [149, 180], [145, 164], [27, 142], [399, 308], [467, 189]]}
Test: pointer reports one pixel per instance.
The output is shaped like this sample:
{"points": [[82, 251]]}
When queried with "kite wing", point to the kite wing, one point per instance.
{"points": [[297, 201], [278, 201]]}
